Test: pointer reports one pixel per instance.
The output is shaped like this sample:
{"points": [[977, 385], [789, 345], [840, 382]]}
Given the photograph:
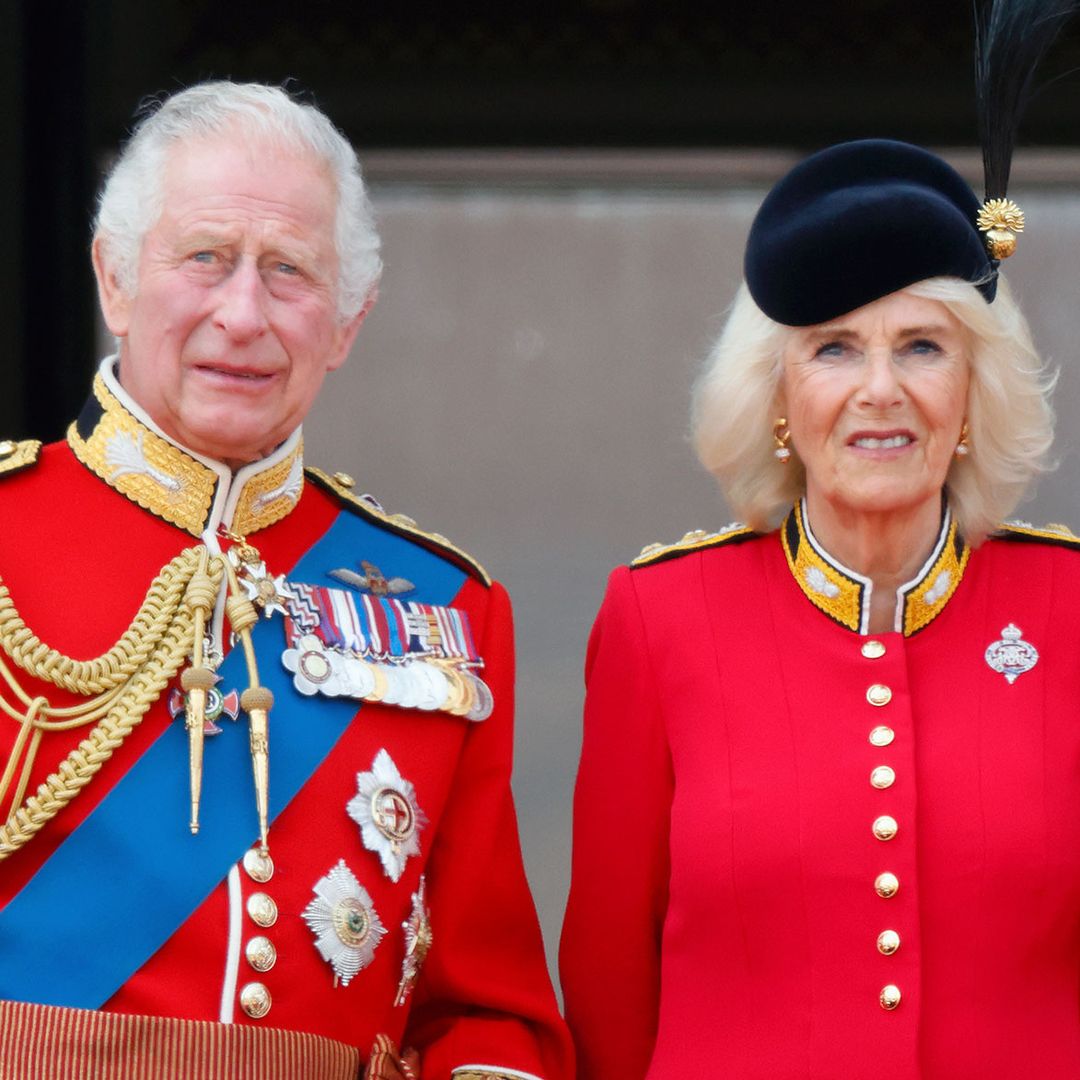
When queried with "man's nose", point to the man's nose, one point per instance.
{"points": [[241, 310]]}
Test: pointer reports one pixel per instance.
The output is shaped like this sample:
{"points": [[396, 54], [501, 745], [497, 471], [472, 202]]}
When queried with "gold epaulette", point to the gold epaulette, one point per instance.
{"points": [[15, 456], [1053, 533], [341, 484], [695, 540]]}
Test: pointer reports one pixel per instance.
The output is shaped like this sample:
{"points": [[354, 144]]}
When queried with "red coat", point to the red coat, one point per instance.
{"points": [[77, 557], [724, 915]]}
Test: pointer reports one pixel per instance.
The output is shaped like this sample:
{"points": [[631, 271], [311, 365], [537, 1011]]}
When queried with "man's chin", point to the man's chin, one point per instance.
{"points": [[235, 451]]}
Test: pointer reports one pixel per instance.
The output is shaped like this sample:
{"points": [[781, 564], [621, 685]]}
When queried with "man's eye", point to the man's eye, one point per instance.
{"points": [[286, 268], [203, 257]]}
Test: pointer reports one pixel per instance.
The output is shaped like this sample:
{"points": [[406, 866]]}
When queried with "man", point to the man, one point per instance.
{"points": [[269, 831]]}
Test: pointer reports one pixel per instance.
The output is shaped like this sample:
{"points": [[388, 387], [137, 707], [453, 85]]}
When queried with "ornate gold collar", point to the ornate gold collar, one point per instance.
{"points": [[118, 442], [844, 595]]}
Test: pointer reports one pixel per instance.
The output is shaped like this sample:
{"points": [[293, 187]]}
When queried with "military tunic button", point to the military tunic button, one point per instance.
{"points": [[882, 777], [344, 479], [879, 695], [885, 827], [260, 953], [882, 735], [873, 649], [261, 909], [888, 941], [255, 1000], [889, 997], [259, 867], [886, 885], [7, 448]]}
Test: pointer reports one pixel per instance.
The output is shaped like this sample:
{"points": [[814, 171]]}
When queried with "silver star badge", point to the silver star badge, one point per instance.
{"points": [[345, 924], [389, 817], [417, 929]]}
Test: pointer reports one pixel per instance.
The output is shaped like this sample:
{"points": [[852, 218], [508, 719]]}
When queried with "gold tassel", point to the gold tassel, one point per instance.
{"points": [[256, 700], [198, 680]]}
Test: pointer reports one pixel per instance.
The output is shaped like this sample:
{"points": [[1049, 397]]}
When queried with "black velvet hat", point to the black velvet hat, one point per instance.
{"points": [[858, 221]]}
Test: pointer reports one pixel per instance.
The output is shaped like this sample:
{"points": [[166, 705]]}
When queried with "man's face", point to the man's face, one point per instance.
{"points": [[233, 324]]}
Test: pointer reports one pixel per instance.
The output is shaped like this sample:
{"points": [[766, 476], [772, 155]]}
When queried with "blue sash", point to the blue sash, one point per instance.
{"points": [[122, 883]]}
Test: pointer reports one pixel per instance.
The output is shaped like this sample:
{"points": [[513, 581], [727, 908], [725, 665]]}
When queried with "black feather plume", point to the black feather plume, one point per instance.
{"points": [[1011, 38]]}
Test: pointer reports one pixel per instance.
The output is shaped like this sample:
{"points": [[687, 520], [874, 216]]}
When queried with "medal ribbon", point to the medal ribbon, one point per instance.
{"points": [[377, 628], [132, 863]]}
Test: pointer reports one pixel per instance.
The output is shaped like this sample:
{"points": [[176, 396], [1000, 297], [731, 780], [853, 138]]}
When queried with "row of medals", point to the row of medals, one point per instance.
{"points": [[429, 684]]}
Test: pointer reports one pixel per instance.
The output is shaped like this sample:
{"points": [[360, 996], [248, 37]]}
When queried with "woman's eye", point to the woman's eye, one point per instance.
{"points": [[831, 350], [924, 347]]}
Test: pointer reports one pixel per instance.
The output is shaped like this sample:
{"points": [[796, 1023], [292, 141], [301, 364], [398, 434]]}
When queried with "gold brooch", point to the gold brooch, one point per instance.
{"points": [[1000, 219]]}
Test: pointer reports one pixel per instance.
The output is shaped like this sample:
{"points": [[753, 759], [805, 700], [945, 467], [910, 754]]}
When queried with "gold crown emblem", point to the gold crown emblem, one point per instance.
{"points": [[1000, 219]]}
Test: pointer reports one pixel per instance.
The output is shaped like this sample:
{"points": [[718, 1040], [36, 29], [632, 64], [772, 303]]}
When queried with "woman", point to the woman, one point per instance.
{"points": [[826, 822]]}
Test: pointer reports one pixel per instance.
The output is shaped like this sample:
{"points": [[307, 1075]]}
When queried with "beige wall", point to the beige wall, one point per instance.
{"points": [[522, 387]]}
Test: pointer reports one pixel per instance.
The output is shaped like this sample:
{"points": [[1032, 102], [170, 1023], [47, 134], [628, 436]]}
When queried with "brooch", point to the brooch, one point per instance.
{"points": [[1012, 655]]}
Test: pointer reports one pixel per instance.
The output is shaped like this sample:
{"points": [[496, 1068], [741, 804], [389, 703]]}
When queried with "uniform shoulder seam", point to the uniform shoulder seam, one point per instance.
{"points": [[695, 540], [340, 486], [16, 455]]}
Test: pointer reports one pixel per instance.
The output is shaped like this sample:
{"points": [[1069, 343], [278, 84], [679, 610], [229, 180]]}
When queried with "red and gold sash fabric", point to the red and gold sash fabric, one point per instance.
{"points": [[46, 1042]]}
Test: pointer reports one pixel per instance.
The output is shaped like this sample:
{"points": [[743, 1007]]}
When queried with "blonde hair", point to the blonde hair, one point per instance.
{"points": [[1009, 415]]}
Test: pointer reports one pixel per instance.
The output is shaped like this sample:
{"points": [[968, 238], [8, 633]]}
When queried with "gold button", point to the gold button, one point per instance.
{"points": [[255, 1000], [873, 649], [260, 953], [882, 777], [886, 885], [878, 694], [888, 941], [889, 997], [885, 827], [259, 867], [344, 479], [7, 448], [882, 735], [261, 909]]}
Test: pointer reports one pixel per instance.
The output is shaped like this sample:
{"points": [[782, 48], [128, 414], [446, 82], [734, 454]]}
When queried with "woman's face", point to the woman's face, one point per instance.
{"points": [[875, 401]]}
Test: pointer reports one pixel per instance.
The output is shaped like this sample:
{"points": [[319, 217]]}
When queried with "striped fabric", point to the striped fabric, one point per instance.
{"points": [[44, 1042]]}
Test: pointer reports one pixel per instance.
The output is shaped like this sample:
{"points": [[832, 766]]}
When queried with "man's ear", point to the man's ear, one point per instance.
{"points": [[347, 332], [113, 298]]}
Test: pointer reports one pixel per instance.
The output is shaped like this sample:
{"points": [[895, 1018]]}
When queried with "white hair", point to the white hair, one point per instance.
{"points": [[1009, 416], [132, 198]]}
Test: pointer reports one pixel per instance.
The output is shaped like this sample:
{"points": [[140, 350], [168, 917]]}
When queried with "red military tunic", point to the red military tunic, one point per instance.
{"points": [[77, 554], [804, 852]]}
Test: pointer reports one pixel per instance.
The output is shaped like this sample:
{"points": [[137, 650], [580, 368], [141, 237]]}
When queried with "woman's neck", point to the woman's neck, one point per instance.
{"points": [[889, 548]]}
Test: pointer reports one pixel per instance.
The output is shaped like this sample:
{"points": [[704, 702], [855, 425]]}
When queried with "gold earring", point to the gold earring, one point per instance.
{"points": [[963, 447], [781, 434]]}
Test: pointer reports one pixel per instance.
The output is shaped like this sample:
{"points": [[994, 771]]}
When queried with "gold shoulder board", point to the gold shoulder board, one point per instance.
{"points": [[341, 484], [15, 456], [1053, 533], [695, 540]]}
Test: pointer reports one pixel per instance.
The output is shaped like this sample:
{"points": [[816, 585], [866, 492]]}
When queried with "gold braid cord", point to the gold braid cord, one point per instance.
{"points": [[121, 685]]}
